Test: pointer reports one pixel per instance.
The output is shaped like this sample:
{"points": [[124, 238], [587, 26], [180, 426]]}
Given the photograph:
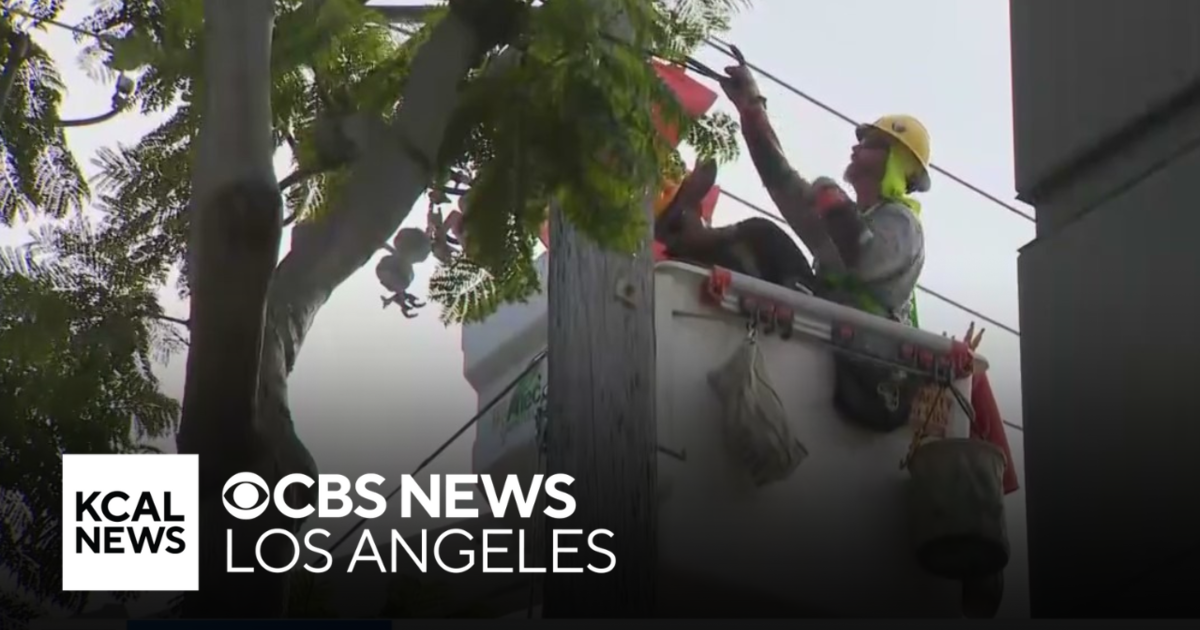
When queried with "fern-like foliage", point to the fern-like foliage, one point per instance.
{"points": [[329, 58], [571, 123], [79, 322], [75, 377], [38, 174]]}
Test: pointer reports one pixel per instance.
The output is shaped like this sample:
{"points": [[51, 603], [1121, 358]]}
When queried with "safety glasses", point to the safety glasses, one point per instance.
{"points": [[871, 138]]}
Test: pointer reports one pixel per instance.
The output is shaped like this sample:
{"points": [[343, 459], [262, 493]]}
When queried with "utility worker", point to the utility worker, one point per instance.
{"points": [[870, 250]]}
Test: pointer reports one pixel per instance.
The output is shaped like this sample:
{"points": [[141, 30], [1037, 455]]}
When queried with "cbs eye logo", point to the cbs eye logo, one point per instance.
{"points": [[246, 496]]}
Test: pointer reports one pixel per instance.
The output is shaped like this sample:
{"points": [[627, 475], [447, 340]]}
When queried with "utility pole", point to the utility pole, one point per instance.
{"points": [[601, 426]]}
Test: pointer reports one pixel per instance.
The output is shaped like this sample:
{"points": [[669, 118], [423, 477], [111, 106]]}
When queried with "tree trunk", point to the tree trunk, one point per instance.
{"points": [[391, 171], [601, 409], [234, 244]]}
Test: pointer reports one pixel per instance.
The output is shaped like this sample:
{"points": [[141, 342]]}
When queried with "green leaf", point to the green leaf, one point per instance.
{"points": [[133, 51], [183, 17]]}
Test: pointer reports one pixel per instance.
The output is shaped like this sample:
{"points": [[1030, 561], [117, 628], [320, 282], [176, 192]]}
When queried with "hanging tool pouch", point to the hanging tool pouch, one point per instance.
{"points": [[874, 396], [756, 428]]}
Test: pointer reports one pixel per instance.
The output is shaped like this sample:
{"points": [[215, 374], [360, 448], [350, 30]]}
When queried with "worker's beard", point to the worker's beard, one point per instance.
{"points": [[855, 175]]}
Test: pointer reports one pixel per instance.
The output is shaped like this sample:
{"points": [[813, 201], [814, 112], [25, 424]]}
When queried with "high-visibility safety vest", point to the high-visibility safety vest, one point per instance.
{"points": [[862, 298]]}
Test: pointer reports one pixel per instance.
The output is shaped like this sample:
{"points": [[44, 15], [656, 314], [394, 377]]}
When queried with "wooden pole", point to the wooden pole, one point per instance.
{"points": [[601, 419]]}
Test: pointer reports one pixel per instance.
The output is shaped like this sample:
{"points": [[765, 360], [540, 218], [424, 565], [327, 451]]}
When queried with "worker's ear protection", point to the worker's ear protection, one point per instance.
{"points": [[917, 183]]}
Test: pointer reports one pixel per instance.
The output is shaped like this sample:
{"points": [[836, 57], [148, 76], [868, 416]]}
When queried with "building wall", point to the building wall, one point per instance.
{"points": [[1106, 99]]}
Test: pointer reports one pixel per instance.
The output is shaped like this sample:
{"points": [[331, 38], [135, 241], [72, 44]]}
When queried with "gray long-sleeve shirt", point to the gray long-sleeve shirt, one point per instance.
{"points": [[883, 248], [891, 256]]}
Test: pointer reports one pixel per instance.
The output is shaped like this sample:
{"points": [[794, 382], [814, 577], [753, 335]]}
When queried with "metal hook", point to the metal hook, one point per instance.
{"points": [[752, 329], [766, 318]]}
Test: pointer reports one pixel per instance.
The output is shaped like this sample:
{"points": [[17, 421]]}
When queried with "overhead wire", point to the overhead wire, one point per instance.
{"points": [[701, 69], [724, 48], [67, 27], [534, 363], [730, 51], [491, 403], [935, 294]]}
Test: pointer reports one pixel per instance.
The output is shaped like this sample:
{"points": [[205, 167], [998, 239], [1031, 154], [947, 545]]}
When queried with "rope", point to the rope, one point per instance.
{"points": [[723, 47]]}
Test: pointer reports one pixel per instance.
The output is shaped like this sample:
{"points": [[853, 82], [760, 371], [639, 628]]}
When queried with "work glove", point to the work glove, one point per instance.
{"points": [[685, 207], [741, 88], [828, 195]]}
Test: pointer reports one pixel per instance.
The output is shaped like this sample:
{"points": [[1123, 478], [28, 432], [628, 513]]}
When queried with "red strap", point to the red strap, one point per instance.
{"points": [[829, 198], [961, 358], [713, 291]]}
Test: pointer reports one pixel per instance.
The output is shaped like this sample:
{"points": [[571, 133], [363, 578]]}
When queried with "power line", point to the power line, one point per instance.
{"points": [[537, 359], [959, 305], [715, 43], [534, 363], [67, 27], [723, 47]]}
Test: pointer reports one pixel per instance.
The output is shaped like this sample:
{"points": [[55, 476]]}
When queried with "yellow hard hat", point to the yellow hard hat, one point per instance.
{"points": [[911, 134]]}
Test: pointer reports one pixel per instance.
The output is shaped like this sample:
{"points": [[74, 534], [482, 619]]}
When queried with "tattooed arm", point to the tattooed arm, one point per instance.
{"points": [[792, 194]]}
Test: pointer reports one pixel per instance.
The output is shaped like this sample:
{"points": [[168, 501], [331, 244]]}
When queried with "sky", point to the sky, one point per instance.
{"points": [[944, 61]]}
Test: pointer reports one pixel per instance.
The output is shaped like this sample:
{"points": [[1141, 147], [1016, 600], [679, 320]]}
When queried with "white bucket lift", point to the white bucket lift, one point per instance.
{"points": [[832, 537]]}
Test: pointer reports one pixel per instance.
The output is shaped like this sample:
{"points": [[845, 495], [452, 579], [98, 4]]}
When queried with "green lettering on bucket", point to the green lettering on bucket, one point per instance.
{"points": [[526, 400]]}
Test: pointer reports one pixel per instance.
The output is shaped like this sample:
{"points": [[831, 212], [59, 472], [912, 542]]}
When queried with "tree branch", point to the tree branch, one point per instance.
{"points": [[405, 14], [120, 101], [386, 179], [174, 320], [295, 177], [93, 120], [18, 51]]}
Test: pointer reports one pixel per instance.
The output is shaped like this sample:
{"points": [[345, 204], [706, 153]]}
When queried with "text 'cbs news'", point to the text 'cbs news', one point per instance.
{"points": [[131, 523]]}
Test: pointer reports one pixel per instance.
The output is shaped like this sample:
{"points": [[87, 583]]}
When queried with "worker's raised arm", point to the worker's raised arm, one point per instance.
{"points": [[791, 193], [776, 173]]}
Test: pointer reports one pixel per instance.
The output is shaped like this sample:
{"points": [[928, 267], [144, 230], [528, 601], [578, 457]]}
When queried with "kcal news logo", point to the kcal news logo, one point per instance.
{"points": [[130, 523]]}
